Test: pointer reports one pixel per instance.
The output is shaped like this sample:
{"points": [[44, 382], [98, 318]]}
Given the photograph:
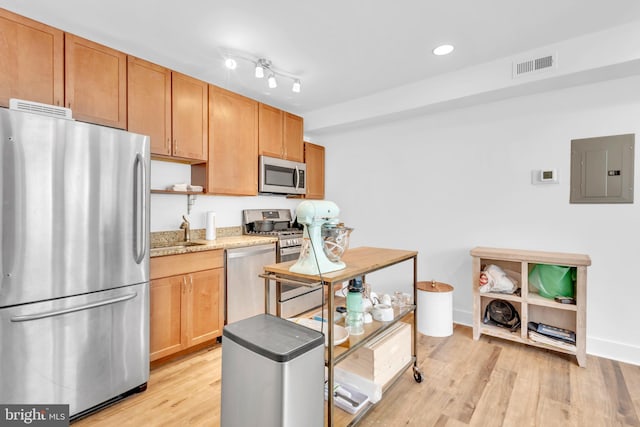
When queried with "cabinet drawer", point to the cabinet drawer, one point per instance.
{"points": [[173, 265]]}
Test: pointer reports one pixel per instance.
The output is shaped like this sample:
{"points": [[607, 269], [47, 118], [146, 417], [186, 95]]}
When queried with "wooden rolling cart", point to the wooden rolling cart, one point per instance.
{"points": [[359, 262], [532, 306]]}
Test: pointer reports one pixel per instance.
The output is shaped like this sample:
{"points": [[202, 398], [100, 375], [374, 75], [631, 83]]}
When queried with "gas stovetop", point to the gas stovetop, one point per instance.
{"points": [[288, 236], [279, 233]]}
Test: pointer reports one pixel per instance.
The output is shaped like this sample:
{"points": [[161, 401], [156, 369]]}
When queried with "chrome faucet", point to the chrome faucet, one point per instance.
{"points": [[187, 228]]}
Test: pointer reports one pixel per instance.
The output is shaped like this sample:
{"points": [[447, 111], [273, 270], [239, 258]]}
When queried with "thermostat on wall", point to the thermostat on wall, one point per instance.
{"points": [[544, 176]]}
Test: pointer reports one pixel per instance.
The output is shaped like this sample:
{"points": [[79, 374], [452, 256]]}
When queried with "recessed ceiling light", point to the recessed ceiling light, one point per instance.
{"points": [[231, 63], [444, 49]]}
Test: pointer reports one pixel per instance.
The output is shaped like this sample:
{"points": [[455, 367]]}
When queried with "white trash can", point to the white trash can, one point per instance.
{"points": [[435, 309]]}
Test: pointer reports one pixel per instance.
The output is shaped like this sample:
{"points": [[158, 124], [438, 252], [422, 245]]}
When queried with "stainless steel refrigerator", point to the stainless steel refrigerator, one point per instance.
{"points": [[74, 262]]}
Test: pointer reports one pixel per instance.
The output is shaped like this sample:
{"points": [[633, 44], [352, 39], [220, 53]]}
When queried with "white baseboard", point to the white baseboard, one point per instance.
{"points": [[462, 317], [600, 347], [621, 352]]}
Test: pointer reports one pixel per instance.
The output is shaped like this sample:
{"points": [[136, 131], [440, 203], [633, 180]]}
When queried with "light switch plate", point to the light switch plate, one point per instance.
{"points": [[544, 176]]}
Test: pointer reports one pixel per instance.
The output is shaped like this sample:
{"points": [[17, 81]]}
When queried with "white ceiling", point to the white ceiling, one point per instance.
{"points": [[341, 50]]}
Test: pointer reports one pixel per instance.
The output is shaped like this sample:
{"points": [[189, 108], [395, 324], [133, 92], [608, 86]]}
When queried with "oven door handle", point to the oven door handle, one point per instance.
{"points": [[290, 251]]}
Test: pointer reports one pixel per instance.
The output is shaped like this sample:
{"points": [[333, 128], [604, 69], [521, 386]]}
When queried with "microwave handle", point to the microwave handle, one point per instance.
{"points": [[297, 178]]}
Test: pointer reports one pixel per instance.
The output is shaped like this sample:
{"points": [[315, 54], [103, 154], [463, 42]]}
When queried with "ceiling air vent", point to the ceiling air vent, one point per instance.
{"points": [[38, 108], [532, 66]]}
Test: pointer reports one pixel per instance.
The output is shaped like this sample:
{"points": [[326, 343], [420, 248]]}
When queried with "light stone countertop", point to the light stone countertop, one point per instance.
{"points": [[230, 237]]}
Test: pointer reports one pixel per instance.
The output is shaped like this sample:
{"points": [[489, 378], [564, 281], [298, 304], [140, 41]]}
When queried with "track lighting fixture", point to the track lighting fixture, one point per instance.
{"points": [[264, 67]]}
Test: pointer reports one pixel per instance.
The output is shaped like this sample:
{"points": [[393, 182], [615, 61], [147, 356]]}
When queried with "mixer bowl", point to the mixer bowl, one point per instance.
{"points": [[336, 240]]}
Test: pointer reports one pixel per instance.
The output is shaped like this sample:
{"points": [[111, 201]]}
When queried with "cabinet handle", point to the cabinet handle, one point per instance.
{"points": [[184, 285], [191, 282]]}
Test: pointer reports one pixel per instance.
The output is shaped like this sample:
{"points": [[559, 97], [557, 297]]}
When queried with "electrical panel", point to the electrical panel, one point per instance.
{"points": [[602, 169]]}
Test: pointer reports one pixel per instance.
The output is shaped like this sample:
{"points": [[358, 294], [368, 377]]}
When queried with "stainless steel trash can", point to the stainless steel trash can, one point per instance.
{"points": [[272, 374]]}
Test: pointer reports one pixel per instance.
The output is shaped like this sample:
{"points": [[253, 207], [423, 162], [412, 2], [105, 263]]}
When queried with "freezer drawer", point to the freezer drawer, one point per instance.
{"points": [[81, 350]]}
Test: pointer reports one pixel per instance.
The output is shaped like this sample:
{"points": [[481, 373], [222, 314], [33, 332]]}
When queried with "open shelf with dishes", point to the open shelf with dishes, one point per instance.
{"points": [[533, 308]]}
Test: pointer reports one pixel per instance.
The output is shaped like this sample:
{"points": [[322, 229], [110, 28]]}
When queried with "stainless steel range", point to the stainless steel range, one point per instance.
{"points": [[293, 300]]}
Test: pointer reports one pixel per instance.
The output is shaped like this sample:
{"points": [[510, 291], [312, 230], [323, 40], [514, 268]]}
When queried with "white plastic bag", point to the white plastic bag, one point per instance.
{"points": [[495, 279]]}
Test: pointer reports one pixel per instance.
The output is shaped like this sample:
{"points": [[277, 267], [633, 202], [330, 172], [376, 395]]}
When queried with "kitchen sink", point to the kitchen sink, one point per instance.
{"points": [[177, 245]]}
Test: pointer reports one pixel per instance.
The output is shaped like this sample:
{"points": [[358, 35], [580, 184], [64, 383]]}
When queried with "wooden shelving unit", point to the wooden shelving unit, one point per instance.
{"points": [[531, 306], [359, 262]]}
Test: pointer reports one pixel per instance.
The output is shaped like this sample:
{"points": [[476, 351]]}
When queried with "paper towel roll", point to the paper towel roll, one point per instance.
{"points": [[211, 226], [435, 313]]}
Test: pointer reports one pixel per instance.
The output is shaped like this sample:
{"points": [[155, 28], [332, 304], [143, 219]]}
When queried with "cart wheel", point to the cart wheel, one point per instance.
{"points": [[417, 375]]}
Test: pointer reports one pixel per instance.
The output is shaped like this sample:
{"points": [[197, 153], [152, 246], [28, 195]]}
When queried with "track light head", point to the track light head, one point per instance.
{"points": [[272, 81], [296, 86], [259, 71]]}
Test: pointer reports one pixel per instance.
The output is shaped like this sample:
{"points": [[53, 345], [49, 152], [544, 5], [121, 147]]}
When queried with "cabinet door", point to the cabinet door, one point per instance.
{"points": [[189, 125], [31, 64], [270, 131], [95, 82], [292, 139], [168, 316], [314, 158], [233, 144], [206, 305], [149, 103]]}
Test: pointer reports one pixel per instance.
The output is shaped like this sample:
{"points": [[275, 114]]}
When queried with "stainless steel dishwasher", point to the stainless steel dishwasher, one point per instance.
{"points": [[244, 290]]}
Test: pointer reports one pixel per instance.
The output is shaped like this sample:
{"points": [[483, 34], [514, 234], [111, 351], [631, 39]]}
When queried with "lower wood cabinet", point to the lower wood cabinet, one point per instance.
{"points": [[187, 301]]}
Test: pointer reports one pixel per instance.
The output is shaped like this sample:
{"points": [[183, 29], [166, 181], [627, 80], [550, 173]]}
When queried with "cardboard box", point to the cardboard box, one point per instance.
{"points": [[382, 358]]}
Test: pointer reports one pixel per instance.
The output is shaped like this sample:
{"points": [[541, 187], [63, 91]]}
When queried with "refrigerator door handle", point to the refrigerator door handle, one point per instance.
{"points": [[140, 183], [53, 313]]}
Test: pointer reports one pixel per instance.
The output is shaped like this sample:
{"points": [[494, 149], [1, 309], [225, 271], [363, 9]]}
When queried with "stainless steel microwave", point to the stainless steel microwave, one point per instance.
{"points": [[282, 176]]}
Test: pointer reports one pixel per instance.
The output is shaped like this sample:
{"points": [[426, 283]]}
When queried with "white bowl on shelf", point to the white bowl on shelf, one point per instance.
{"points": [[340, 333]]}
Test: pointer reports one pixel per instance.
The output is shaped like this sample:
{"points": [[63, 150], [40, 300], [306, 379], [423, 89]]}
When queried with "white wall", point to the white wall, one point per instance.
{"points": [[445, 183], [167, 209]]}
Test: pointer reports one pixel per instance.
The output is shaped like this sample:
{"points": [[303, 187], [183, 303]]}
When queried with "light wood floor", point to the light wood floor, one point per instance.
{"points": [[490, 382]]}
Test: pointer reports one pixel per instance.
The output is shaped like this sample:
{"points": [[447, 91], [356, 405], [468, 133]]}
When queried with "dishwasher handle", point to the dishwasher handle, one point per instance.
{"points": [[250, 251]]}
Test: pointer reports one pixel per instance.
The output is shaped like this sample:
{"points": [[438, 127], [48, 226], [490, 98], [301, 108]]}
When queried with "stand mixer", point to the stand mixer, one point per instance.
{"points": [[313, 256]]}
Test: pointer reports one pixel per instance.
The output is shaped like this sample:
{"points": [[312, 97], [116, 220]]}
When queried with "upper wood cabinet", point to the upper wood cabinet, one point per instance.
{"points": [[95, 82], [169, 107], [149, 103], [232, 167], [293, 137], [314, 158], [31, 61], [270, 131], [280, 134], [189, 117]]}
